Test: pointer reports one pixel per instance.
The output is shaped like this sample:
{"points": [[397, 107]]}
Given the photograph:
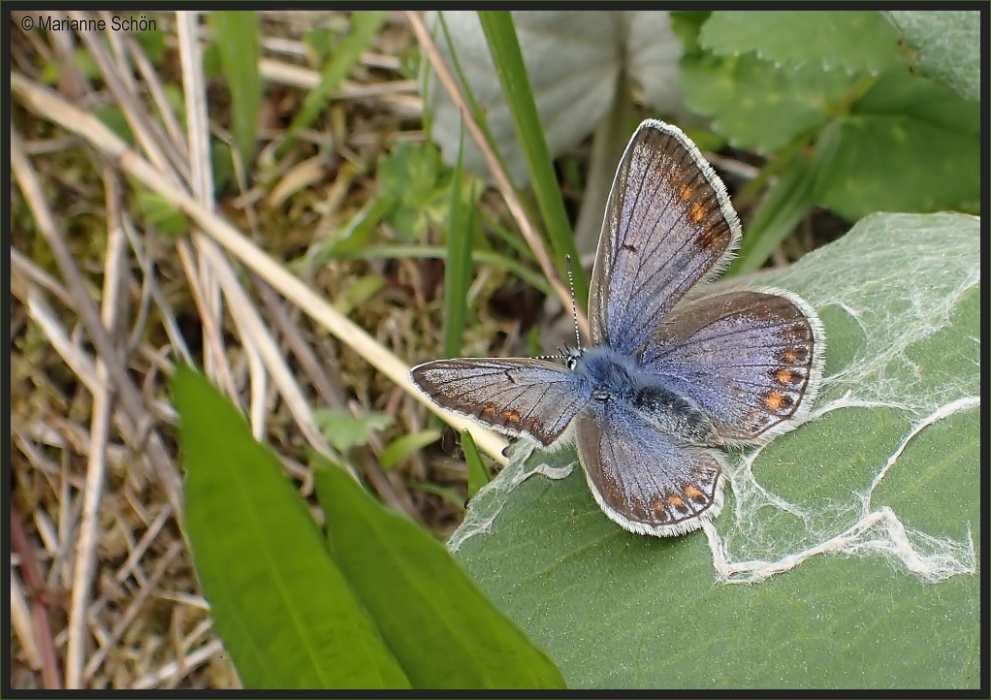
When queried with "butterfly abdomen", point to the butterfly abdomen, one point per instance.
{"points": [[675, 414]]}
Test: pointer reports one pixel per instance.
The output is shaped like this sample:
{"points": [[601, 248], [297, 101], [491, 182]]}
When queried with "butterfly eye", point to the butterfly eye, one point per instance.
{"points": [[571, 357]]}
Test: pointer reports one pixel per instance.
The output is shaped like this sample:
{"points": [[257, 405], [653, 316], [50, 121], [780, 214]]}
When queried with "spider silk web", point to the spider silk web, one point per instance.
{"points": [[896, 416]]}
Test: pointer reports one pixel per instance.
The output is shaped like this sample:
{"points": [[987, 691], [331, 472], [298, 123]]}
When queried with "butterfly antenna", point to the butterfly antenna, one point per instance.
{"points": [[574, 303]]}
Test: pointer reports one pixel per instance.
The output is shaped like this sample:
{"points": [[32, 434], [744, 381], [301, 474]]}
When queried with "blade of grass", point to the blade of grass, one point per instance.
{"points": [[508, 59], [457, 271], [509, 195], [476, 109], [365, 26], [237, 38], [478, 257], [788, 202], [478, 473]]}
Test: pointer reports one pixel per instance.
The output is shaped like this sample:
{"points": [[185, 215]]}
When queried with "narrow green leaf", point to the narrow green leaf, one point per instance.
{"points": [[508, 59], [447, 493], [364, 27], [344, 430], [358, 230], [478, 473], [443, 631], [277, 599], [787, 204], [162, 215], [405, 445], [237, 38]]}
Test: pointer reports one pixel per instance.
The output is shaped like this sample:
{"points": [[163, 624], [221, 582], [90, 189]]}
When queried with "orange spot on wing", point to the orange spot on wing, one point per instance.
{"points": [[696, 212], [685, 193], [786, 376], [775, 401], [512, 416], [694, 493], [676, 501]]}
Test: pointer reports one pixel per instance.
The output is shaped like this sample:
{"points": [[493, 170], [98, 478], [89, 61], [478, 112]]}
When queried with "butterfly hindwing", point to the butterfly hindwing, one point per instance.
{"points": [[641, 478], [750, 359]]}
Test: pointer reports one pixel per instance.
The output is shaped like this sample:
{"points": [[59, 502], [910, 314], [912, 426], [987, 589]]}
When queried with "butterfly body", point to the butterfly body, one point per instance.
{"points": [[667, 380], [617, 378]]}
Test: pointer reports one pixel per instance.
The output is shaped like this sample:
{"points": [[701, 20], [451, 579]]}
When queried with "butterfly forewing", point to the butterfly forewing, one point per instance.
{"points": [[516, 396], [750, 359], [668, 225]]}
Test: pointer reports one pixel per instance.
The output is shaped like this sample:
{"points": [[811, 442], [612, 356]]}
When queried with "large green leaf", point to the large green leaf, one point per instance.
{"points": [[949, 45], [854, 536], [282, 607], [909, 145], [857, 41], [757, 104], [435, 621]]}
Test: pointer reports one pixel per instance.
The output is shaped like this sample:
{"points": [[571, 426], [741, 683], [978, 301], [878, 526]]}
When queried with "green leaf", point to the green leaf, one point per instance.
{"points": [[949, 46], [859, 530], [478, 473], [409, 172], [162, 215], [152, 42], [344, 430], [360, 290], [909, 145], [857, 42], [115, 120], [279, 603], [756, 104], [443, 631], [410, 177], [406, 445], [237, 39]]}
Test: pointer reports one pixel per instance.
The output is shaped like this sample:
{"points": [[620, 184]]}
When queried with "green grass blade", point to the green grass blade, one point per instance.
{"points": [[508, 59], [365, 26], [457, 270], [239, 44], [783, 208], [478, 473]]}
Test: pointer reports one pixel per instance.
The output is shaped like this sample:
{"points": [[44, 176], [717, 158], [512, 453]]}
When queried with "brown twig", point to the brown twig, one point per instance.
{"points": [[36, 587]]}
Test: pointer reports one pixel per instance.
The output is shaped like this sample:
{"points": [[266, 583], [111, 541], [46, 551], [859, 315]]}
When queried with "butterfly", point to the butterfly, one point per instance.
{"points": [[670, 376]]}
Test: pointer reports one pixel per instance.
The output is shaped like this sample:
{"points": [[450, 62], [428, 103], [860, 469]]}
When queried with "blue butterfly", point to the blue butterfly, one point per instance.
{"points": [[667, 378]]}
